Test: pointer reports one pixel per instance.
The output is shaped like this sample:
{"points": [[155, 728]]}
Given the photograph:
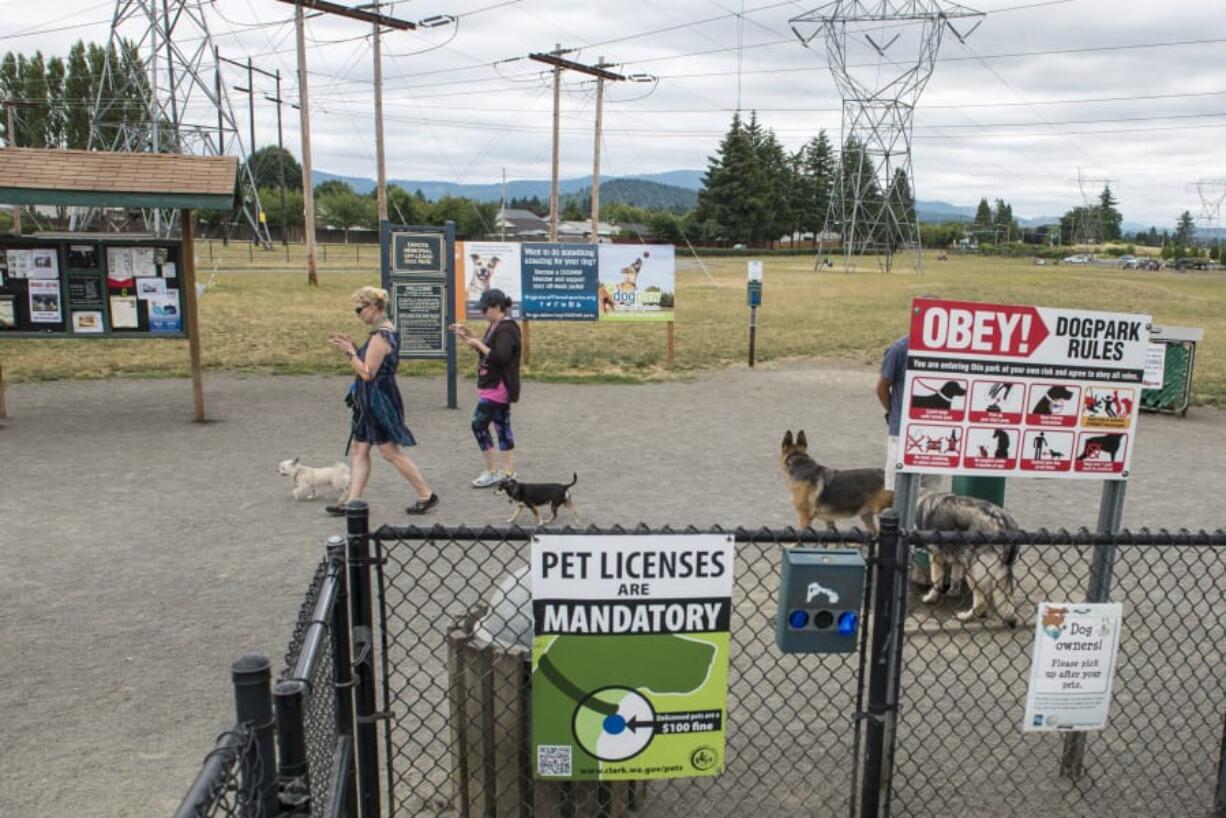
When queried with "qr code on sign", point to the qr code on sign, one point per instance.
{"points": [[553, 759]]}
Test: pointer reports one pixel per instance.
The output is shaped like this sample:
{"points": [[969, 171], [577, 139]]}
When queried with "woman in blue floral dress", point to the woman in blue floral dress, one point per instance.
{"points": [[378, 412]]}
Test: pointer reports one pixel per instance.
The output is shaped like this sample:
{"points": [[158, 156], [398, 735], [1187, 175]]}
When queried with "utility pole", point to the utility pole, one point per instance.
{"points": [[382, 174], [596, 156], [251, 149], [503, 220], [559, 64], [281, 161], [308, 187], [553, 183], [304, 118], [11, 141]]}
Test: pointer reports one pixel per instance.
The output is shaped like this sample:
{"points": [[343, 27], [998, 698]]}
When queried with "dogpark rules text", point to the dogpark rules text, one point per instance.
{"points": [[1021, 391], [630, 655]]}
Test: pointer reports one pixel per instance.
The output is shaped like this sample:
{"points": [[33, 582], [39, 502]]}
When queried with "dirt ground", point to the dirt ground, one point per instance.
{"points": [[145, 552]]}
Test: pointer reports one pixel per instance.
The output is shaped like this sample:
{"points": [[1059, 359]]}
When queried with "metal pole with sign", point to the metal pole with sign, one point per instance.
{"points": [[418, 269], [753, 297]]}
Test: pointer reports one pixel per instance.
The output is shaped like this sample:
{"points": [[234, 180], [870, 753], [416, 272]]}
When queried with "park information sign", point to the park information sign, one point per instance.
{"points": [[570, 282], [417, 269], [1021, 391], [630, 655], [1073, 665]]}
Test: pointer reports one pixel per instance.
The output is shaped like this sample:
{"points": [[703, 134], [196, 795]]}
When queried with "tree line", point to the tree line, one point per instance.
{"points": [[54, 98]]}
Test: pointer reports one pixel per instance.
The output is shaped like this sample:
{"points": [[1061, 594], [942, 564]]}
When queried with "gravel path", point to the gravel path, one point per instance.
{"points": [[145, 552]]}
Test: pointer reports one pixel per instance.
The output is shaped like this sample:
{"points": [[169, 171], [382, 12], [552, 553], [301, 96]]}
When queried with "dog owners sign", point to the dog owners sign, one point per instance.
{"points": [[630, 655], [1071, 672], [1021, 391]]}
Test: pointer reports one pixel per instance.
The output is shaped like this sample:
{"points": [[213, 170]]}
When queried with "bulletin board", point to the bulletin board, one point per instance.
{"points": [[87, 286]]}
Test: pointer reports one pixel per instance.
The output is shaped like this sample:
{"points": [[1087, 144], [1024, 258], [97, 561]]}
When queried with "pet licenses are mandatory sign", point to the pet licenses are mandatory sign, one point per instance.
{"points": [[1073, 666], [1021, 391], [630, 655]]}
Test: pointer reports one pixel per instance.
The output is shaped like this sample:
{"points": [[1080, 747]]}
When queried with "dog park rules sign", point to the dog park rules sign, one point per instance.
{"points": [[1021, 391], [630, 655], [1071, 672]]}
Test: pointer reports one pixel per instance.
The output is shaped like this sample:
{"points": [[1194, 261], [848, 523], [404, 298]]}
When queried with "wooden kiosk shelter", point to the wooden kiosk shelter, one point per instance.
{"points": [[148, 181]]}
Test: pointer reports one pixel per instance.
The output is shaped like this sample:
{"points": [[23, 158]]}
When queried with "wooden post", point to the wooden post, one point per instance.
{"points": [[668, 359], [304, 119], [193, 316], [3, 410], [527, 344]]}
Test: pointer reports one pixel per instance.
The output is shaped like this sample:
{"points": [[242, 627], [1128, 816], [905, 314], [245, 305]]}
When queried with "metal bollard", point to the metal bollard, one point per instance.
{"points": [[252, 680]]}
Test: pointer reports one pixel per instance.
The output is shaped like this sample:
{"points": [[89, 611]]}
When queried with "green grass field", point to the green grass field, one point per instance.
{"points": [[259, 316]]}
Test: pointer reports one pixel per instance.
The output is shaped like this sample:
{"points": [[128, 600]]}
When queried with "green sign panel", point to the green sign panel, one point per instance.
{"points": [[418, 253], [630, 656]]}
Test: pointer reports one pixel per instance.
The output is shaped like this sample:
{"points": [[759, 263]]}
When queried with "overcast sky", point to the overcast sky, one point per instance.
{"points": [[1122, 89]]}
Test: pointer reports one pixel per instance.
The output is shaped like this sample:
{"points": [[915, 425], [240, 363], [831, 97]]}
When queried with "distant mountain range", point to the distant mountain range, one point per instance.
{"points": [[671, 190]]}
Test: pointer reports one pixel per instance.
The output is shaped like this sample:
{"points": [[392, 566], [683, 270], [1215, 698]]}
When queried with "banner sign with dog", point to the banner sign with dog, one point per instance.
{"points": [[1021, 391], [570, 282], [1073, 666], [630, 655]]}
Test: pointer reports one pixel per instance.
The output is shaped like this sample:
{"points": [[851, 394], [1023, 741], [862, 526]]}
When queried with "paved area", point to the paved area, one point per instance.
{"points": [[144, 552]]}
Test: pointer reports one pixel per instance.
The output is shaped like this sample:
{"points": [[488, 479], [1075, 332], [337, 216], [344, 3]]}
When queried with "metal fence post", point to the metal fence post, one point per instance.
{"points": [[1219, 800], [342, 655], [1102, 565], [252, 678], [293, 774], [882, 667], [361, 601]]}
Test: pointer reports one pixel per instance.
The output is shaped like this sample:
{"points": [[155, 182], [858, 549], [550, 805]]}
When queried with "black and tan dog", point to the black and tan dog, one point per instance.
{"points": [[988, 569], [828, 494], [533, 495]]}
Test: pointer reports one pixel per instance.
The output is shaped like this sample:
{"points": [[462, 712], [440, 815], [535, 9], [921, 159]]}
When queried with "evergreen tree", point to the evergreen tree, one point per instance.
{"points": [[729, 203], [56, 119], [79, 89], [815, 177], [1184, 230], [32, 129], [858, 195], [10, 88], [1109, 218], [902, 205], [983, 214]]}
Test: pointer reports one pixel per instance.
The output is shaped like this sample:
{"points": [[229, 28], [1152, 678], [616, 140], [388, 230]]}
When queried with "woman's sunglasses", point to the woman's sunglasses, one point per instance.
{"points": [[358, 310]]}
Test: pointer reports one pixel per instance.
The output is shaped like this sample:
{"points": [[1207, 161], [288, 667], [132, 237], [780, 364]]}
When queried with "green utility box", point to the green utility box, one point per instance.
{"points": [[1176, 391]]}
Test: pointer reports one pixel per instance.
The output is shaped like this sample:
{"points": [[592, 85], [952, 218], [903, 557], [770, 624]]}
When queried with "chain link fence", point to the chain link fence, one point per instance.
{"points": [[221, 789], [458, 688], [924, 720]]}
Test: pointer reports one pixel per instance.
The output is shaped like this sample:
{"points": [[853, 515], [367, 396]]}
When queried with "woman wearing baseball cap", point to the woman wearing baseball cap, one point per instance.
{"points": [[498, 353]]}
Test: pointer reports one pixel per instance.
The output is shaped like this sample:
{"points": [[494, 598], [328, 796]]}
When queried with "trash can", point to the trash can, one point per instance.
{"points": [[1175, 393], [489, 667]]}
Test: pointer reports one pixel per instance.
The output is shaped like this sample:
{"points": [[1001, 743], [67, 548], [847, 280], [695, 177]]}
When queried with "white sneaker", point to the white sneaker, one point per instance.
{"points": [[486, 479]]}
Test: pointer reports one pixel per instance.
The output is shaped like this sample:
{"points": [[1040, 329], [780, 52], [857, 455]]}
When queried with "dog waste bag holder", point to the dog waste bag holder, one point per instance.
{"points": [[820, 591]]}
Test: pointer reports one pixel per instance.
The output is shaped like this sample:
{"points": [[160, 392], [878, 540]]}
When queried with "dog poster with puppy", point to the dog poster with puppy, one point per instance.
{"points": [[486, 265], [630, 655], [988, 386], [638, 282]]}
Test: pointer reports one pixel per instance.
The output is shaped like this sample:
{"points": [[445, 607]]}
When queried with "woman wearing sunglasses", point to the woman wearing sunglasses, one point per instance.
{"points": [[378, 412]]}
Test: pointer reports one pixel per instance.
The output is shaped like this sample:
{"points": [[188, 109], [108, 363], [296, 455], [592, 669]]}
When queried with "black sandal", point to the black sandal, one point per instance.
{"points": [[422, 506]]}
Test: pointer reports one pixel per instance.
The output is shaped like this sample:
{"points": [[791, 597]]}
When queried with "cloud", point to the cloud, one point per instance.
{"points": [[1036, 95]]}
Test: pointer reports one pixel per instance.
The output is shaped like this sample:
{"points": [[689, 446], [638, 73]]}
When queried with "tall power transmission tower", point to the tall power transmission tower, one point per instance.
{"points": [[160, 94], [882, 54], [1212, 193]]}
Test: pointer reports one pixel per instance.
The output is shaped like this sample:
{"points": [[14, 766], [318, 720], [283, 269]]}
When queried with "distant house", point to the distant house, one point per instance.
{"points": [[523, 225]]}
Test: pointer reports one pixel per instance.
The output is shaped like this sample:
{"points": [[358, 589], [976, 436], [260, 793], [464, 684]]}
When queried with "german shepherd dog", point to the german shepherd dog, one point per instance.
{"points": [[827, 494], [987, 568], [532, 495]]}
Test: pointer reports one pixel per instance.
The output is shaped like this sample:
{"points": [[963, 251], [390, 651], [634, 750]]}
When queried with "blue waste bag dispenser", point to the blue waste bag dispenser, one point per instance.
{"points": [[821, 592]]}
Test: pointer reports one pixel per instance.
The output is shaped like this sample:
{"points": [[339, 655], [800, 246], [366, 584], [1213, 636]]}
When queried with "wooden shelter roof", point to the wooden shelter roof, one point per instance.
{"points": [[37, 176]]}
